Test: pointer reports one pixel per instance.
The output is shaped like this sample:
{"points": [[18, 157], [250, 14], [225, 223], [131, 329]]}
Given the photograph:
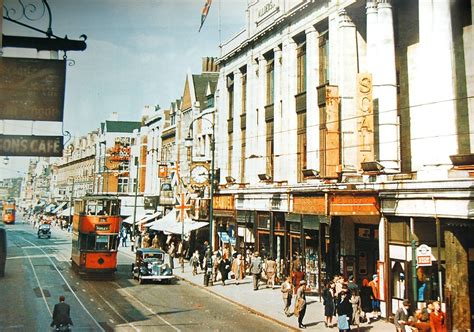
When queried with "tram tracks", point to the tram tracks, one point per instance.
{"points": [[87, 293]]}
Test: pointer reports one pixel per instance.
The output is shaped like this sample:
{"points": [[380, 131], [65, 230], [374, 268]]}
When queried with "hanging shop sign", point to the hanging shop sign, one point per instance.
{"points": [[31, 146], [32, 89], [423, 255]]}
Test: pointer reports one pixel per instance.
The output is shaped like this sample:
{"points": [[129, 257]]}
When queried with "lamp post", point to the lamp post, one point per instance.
{"points": [[72, 200], [189, 144]]}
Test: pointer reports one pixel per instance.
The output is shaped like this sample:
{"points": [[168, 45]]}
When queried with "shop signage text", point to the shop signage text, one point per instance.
{"points": [[31, 146]]}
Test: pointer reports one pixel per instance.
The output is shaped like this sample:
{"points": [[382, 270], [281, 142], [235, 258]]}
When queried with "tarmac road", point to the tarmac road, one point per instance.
{"points": [[38, 271]]}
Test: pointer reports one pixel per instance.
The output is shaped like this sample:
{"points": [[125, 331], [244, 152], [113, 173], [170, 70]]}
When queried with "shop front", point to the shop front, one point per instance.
{"points": [[225, 224], [430, 250]]}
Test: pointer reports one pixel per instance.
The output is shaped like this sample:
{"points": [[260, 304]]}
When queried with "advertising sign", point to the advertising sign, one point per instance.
{"points": [[31, 146], [423, 255], [32, 89]]}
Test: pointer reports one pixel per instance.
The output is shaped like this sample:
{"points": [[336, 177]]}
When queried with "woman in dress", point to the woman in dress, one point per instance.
{"points": [[328, 302], [238, 268], [437, 319], [356, 307], [344, 311], [365, 299], [224, 268]]}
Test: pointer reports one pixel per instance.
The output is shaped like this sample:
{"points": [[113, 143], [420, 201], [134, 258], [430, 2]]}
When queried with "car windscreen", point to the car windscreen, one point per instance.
{"points": [[153, 257]]}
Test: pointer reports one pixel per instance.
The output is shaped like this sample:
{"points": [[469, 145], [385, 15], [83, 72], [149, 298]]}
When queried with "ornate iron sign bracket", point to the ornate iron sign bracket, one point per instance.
{"points": [[32, 10]]}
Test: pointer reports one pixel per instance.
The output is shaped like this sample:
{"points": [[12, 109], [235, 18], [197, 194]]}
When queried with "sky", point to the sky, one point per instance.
{"points": [[138, 53]]}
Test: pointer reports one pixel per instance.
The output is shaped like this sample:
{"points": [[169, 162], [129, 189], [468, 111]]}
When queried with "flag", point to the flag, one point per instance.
{"points": [[205, 11]]}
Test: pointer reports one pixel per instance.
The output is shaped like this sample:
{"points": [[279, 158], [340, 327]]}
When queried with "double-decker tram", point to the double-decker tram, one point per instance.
{"points": [[8, 212], [96, 227]]}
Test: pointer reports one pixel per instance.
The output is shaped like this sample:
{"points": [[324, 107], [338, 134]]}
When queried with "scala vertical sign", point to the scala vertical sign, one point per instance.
{"points": [[32, 89]]}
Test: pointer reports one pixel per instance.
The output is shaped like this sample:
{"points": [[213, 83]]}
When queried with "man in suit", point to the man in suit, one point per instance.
{"points": [[61, 313]]}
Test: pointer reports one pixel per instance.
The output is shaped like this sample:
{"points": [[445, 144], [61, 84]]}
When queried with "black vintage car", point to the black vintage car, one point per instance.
{"points": [[44, 230], [152, 264]]}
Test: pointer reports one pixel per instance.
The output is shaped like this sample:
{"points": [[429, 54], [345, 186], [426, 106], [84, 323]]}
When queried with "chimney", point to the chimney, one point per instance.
{"points": [[113, 116], [209, 65]]}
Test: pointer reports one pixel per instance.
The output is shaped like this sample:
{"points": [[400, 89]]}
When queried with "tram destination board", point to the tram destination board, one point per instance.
{"points": [[32, 89], [31, 146]]}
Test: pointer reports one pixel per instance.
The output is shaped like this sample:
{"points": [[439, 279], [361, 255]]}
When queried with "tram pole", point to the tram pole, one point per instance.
{"points": [[135, 207]]}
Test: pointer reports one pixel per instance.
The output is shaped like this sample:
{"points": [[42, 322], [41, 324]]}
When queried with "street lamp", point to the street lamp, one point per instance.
{"points": [[188, 142]]}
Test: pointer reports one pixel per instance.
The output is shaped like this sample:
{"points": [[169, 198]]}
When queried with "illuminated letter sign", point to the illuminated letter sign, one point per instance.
{"points": [[32, 89], [365, 114]]}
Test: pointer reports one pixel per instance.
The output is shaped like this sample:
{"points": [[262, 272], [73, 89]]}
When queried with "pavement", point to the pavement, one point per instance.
{"points": [[267, 302]]}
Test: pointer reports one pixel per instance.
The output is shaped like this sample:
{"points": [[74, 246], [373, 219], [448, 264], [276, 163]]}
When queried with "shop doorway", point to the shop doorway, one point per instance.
{"points": [[367, 251]]}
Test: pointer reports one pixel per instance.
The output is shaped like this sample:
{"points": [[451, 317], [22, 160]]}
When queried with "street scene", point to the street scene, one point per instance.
{"points": [[261, 165]]}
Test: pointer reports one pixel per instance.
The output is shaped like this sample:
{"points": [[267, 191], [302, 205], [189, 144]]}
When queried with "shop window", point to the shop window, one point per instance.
{"points": [[398, 231], [399, 280], [264, 222], [364, 233]]}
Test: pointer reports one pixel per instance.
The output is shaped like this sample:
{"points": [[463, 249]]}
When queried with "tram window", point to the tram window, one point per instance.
{"points": [[102, 242]]}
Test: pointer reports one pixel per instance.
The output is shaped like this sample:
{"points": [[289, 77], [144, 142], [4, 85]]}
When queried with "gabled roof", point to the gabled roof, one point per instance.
{"points": [[201, 84], [121, 126]]}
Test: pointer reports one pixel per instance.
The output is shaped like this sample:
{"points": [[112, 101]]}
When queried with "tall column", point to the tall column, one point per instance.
{"points": [[385, 90], [237, 144], [262, 101], [278, 142], [285, 97], [433, 103], [290, 133], [468, 37], [252, 130], [372, 40], [347, 74], [312, 109]]}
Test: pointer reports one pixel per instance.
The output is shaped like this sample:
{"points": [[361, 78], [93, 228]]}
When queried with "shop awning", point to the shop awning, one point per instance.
{"points": [[67, 212], [169, 224], [139, 216], [59, 207], [149, 218], [49, 208]]}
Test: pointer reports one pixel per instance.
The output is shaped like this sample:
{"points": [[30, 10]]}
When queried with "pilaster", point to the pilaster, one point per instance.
{"points": [[312, 109], [348, 74]]}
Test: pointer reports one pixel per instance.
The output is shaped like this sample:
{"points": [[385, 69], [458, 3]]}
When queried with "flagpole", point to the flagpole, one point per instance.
{"points": [[219, 27]]}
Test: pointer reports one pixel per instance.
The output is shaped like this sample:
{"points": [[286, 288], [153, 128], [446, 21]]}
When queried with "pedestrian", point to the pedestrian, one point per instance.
{"points": [[328, 302], [287, 293], [224, 269], [171, 252], [351, 285], [300, 304], [123, 235], [181, 252], [344, 311], [298, 276], [216, 259], [146, 241], [156, 242], [238, 268], [401, 316], [61, 313], [256, 270], [356, 307], [375, 296], [366, 300], [438, 319], [270, 269], [194, 262]]}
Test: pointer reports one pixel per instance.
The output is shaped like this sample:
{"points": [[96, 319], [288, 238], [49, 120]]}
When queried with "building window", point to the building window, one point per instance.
{"points": [[270, 82], [242, 156], [229, 156], [230, 92], [301, 68], [122, 185], [244, 90], [210, 101], [324, 58], [301, 148]]}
